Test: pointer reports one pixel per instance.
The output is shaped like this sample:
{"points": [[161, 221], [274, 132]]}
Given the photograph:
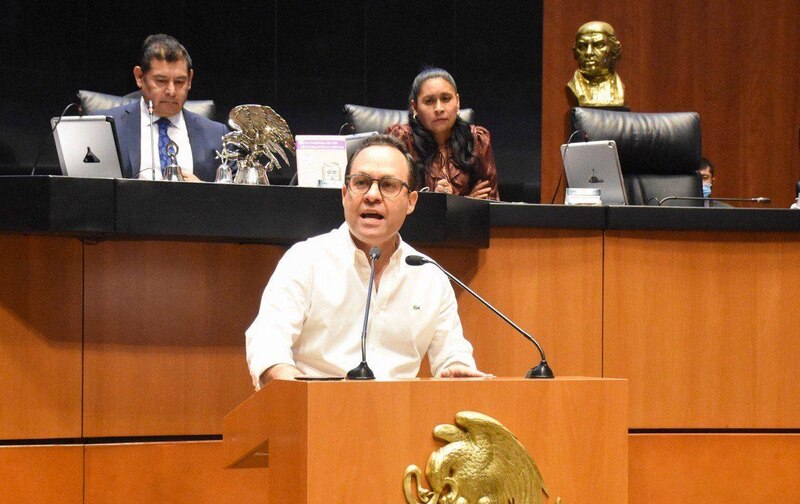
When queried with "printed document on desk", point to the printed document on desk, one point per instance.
{"points": [[321, 160]]}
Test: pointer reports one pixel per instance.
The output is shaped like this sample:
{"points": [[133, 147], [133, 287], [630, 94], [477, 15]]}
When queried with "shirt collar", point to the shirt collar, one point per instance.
{"points": [[177, 120], [359, 257]]}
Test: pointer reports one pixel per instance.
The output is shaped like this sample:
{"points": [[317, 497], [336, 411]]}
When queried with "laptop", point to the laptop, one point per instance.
{"points": [[595, 165], [87, 146], [322, 159], [354, 141]]}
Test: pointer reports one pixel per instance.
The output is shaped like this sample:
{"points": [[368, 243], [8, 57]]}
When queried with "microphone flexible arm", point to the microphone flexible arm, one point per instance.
{"points": [[362, 371], [564, 161], [543, 369], [57, 122], [760, 199]]}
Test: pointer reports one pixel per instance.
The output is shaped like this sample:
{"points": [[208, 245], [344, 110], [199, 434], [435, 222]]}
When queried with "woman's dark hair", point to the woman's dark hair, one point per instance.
{"points": [[461, 141]]}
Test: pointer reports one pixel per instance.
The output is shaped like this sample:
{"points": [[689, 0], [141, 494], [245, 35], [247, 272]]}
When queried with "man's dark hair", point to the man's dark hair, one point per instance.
{"points": [[705, 163], [165, 48], [388, 141]]}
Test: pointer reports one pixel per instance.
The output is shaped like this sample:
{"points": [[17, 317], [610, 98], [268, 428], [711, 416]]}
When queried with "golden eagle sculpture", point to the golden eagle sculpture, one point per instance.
{"points": [[259, 134], [482, 463]]}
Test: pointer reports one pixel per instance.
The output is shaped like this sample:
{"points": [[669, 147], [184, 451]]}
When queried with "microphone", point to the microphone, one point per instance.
{"points": [[759, 199], [542, 370], [152, 142], [362, 371]]}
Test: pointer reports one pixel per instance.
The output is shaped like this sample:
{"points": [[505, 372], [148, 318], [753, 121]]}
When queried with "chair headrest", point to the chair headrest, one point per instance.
{"points": [[364, 119], [656, 143], [93, 102]]}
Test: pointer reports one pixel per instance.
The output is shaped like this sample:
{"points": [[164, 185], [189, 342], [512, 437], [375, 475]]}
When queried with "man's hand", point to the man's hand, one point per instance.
{"points": [[189, 177], [279, 372], [481, 190], [458, 370]]}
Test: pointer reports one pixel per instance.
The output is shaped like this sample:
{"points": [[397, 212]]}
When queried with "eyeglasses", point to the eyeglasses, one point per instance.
{"points": [[389, 187]]}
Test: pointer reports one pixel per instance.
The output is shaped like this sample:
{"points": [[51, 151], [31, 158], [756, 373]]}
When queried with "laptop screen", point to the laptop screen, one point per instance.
{"points": [[87, 146], [595, 165]]}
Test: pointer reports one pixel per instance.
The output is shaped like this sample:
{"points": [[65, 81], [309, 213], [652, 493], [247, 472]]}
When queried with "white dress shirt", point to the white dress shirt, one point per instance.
{"points": [[312, 314], [177, 133]]}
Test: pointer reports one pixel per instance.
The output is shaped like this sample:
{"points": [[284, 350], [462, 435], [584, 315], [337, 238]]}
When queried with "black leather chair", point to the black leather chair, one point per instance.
{"points": [[659, 152], [92, 102], [361, 119]]}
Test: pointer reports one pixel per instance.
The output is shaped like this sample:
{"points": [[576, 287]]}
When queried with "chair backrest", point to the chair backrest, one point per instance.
{"points": [[361, 119], [93, 102], [659, 153]]}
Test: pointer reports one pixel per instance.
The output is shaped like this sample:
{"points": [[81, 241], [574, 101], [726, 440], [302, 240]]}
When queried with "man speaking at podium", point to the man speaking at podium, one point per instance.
{"points": [[312, 309], [164, 75]]}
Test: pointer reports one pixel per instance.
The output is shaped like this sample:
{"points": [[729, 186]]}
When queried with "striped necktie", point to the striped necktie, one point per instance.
{"points": [[163, 141]]}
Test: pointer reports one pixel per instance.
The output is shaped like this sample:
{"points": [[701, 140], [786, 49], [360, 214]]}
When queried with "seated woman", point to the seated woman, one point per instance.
{"points": [[451, 156]]}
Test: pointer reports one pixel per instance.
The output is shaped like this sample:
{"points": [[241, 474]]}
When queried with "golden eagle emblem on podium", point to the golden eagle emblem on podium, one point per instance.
{"points": [[482, 463]]}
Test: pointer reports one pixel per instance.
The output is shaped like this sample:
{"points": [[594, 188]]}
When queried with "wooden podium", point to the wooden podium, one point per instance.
{"points": [[339, 441]]}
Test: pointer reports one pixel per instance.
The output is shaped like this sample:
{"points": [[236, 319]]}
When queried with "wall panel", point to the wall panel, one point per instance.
{"points": [[41, 474], [729, 61], [714, 468], [169, 472]]}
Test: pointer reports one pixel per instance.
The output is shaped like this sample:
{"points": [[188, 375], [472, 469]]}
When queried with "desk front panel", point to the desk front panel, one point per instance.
{"points": [[40, 336], [705, 327], [165, 326]]}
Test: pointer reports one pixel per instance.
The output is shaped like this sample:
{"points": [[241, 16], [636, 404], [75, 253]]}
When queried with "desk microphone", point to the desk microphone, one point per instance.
{"points": [[760, 199], [152, 141], [153, 160], [362, 371], [540, 371]]}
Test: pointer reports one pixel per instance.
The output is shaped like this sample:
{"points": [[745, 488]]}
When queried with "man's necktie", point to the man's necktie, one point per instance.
{"points": [[163, 141]]}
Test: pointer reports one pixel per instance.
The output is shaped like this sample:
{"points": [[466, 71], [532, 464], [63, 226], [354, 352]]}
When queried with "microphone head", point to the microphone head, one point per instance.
{"points": [[375, 253], [416, 260]]}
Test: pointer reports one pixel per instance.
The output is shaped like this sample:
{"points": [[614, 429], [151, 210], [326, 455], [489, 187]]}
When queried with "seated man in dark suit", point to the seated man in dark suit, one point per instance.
{"points": [[164, 76]]}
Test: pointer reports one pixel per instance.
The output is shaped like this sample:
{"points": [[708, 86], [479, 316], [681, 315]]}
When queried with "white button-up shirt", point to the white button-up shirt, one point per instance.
{"points": [[312, 314], [177, 132]]}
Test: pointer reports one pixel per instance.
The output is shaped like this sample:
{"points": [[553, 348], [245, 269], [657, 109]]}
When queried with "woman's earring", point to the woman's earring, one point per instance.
{"points": [[415, 115]]}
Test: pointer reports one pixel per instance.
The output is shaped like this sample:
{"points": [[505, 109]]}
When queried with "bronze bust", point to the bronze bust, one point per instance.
{"points": [[595, 82]]}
